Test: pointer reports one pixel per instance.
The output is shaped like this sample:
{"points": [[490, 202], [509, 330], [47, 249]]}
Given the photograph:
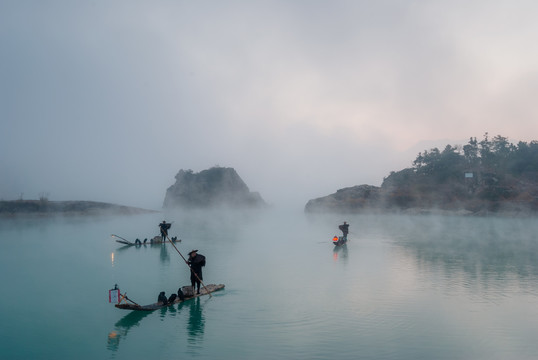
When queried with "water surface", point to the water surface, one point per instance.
{"points": [[405, 287]]}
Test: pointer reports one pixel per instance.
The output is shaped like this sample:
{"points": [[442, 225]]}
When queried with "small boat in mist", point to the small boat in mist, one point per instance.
{"points": [[138, 242], [339, 241]]}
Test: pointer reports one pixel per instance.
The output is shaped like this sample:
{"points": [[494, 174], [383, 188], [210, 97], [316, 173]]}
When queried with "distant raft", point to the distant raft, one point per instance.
{"points": [[138, 242], [341, 241], [158, 305]]}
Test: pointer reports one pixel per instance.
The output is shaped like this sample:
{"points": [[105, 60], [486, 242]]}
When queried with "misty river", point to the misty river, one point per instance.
{"points": [[404, 287]]}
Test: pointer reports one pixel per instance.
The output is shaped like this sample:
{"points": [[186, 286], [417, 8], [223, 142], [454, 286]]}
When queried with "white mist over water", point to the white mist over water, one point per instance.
{"points": [[405, 287], [107, 101]]}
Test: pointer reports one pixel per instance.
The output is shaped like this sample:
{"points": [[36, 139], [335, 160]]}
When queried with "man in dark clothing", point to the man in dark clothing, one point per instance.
{"points": [[196, 261], [164, 229], [345, 229]]}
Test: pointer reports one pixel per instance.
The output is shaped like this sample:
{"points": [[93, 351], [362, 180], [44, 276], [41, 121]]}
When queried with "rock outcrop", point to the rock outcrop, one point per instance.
{"points": [[351, 199], [402, 192], [217, 186]]}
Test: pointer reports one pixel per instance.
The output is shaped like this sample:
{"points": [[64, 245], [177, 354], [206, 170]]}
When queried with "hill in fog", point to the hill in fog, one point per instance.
{"points": [[217, 186], [492, 175]]}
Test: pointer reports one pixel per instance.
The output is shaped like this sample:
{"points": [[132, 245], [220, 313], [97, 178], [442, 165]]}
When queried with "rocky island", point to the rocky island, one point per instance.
{"points": [[218, 186], [490, 176]]}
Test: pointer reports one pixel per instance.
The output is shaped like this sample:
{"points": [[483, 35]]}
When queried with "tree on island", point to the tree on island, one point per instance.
{"points": [[492, 170]]}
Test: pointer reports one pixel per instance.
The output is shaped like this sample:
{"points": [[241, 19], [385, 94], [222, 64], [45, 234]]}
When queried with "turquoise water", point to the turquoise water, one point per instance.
{"points": [[405, 287]]}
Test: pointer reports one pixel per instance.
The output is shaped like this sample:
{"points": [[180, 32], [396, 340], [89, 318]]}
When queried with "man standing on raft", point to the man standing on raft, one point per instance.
{"points": [[164, 230], [345, 229], [196, 261]]}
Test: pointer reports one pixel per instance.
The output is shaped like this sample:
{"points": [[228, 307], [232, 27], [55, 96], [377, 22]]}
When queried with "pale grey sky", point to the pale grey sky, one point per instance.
{"points": [[107, 100]]}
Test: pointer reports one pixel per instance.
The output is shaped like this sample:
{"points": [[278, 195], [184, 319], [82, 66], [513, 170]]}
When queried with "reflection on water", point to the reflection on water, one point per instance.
{"points": [[483, 251], [195, 323], [164, 255], [169, 311], [340, 252], [122, 327], [138, 247]]}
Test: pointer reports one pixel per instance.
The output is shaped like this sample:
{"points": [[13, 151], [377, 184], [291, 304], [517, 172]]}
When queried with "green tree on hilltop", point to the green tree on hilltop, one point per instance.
{"points": [[498, 168]]}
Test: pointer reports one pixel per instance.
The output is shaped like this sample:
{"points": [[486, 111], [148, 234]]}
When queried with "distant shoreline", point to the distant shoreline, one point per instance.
{"points": [[13, 208], [418, 211]]}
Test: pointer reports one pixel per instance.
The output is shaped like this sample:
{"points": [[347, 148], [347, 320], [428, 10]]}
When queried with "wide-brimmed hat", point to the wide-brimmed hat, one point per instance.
{"points": [[193, 251]]}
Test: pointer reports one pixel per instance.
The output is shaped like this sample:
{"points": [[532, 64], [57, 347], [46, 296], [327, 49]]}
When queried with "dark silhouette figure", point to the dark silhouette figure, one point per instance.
{"points": [[196, 261], [345, 229], [164, 226]]}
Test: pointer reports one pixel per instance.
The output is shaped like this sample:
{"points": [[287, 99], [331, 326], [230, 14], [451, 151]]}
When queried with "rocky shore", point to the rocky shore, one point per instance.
{"points": [[374, 199], [46, 207]]}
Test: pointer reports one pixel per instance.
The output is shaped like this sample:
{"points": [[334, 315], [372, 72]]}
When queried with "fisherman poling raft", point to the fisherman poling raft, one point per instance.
{"points": [[198, 288], [342, 240]]}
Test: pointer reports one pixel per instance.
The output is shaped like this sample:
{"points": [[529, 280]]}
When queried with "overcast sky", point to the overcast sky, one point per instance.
{"points": [[107, 100]]}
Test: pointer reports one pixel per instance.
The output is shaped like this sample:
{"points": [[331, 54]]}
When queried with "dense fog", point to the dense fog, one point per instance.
{"points": [[108, 101]]}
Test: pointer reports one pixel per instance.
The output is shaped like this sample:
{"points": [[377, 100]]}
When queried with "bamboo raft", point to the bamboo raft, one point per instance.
{"points": [[158, 305], [155, 240]]}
